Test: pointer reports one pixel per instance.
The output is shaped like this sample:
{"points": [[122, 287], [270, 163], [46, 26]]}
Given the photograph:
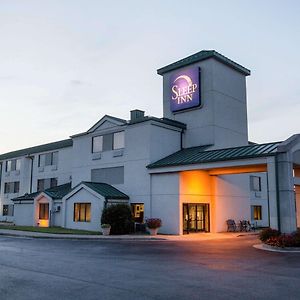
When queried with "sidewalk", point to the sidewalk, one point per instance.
{"points": [[129, 237]]}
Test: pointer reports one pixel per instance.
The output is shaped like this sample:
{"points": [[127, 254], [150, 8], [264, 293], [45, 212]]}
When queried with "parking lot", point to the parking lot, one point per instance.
{"points": [[211, 269]]}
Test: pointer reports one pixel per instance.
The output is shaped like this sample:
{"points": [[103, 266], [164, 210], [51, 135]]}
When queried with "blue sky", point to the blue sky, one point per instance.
{"points": [[64, 64]]}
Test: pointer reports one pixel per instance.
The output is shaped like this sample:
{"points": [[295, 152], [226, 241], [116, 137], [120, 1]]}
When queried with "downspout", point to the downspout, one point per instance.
{"points": [[277, 192], [31, 173], [181, 139], [268, 199], [0, 175]]}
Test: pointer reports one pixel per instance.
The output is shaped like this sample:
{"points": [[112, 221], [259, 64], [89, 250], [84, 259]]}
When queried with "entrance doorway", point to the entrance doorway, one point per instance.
{"points": [[195, 217]]}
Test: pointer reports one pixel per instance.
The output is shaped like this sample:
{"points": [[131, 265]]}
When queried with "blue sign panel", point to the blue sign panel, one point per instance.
{"points": [[185, 89]]}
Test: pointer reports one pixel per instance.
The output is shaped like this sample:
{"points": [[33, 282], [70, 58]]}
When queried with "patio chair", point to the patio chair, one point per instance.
{"points": [[231, 226]]}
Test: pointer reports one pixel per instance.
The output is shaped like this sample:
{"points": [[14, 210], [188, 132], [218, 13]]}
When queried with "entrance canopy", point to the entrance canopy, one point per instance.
{"points": [[279, 160]]}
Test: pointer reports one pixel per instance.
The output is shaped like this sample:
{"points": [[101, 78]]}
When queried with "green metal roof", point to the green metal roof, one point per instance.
{"points": [[57, 192], [37, 149], [201, 154], [105, 190], [202, 55]]}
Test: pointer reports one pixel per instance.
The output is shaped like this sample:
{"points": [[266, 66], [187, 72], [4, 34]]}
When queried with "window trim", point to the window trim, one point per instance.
{"points": [[252, 186], [78, 218], [51, 159], [257, 215], [111, 146]]}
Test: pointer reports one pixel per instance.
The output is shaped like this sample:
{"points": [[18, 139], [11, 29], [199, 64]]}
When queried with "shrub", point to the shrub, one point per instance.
{"points": [[268, 233], [284, 240], [119, 217], [153, 223], [105, 226], [296, 236]]}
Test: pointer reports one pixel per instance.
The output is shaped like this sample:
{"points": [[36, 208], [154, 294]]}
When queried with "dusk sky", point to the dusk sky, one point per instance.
{"points": [[66, 63]]}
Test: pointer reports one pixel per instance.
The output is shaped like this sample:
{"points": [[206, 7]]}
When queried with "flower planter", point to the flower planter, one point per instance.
{"points": [[153, 231], [106, 231]]}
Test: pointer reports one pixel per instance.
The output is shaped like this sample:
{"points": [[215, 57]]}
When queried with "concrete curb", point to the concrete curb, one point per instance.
{"points": [[275, 249], [38, 235]]}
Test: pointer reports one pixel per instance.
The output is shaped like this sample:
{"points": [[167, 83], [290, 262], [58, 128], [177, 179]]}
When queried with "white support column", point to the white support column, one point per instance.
{"points": [[272, 194], [287, 205]]}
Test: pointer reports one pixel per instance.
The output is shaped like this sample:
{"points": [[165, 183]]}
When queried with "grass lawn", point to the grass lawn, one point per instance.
{"points": [[56, 230]]}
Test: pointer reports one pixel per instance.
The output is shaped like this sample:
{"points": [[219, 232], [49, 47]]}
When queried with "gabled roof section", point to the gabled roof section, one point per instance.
{"points": [[201, 154], [200, 56], [106, 118], [37, 149], [105, 190], [165, 121], [57, 192]]}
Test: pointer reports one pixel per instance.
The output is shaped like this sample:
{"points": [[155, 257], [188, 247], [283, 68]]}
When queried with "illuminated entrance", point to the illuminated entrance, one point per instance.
{"points": [[195, 217]]}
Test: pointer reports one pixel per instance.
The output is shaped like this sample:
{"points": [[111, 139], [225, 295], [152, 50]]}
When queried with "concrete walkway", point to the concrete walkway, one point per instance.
{"points": [[133, 237]]}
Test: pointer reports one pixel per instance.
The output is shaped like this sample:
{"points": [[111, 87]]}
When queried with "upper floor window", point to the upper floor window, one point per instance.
{"points": [[11, 187], [108, 142], [48, 159], [47, 183], [255, 183], [13, 165], [114, 175]]}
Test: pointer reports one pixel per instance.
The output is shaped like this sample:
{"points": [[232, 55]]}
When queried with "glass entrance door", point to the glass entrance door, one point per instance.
{"points": [[195, 217]]}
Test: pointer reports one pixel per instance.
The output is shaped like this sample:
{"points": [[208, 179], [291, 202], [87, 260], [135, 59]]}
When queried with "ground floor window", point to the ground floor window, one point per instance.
{"points": [[82, 212], [44, 211], [137, 212], [256, 212], [8, 210], [195, 217]]}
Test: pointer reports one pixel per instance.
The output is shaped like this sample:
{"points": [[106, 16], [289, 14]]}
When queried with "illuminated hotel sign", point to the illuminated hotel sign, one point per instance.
{"points": [[185, 89]]}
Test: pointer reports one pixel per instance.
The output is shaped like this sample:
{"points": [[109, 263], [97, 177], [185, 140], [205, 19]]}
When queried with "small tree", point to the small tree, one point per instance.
{"points": [[119, 217]]}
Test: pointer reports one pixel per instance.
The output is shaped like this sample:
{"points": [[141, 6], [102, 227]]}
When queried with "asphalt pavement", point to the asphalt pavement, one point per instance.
{"points": [[113, 269]]}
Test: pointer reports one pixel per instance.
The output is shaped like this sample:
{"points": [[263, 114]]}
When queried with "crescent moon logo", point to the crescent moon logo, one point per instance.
{"points": [[185, 77]]}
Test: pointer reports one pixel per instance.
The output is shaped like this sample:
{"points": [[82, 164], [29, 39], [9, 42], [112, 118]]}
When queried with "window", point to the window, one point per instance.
{"points": [[255, 183], [8, 210], [108, 142], [137, 210], [13, 165], [256, 212], [97, 144], [44, 211], [118, 142], [82, 212], [47, 183], [48, 159], [11, 187], [113, 175]]}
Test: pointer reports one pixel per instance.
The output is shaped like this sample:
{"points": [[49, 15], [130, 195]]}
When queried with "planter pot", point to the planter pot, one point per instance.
{"points": [[105, 231], [153, 231]]}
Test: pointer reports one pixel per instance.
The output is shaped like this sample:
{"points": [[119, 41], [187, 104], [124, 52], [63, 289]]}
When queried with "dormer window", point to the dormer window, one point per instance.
{"points": [[107, 142]]}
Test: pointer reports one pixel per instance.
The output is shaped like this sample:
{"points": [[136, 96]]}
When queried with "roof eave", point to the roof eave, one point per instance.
{"points": [[195, 58]]}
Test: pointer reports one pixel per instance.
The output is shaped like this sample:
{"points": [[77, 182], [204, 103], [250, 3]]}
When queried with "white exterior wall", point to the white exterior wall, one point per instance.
{"points": [[24, 214], [145, 142], [83, 196], [165, 202], [232, 200], [222, 119], [261, 198], [62, 172]]}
